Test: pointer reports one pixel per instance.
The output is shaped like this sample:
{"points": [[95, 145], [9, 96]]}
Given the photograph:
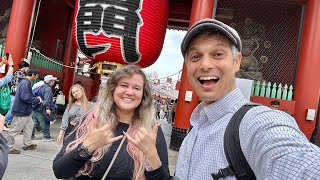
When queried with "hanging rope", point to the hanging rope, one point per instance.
{"points": [[32, 48], [163, 83], [167, 76], [52, 60], [35, 25]]}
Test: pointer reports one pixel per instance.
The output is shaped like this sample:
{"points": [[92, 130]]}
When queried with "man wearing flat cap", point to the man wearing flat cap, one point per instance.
{"points": [[270, 140], [44, 113]]}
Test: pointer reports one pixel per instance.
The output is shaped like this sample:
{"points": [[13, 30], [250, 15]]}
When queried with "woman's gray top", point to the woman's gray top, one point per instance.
{"points": [[73, 113]]}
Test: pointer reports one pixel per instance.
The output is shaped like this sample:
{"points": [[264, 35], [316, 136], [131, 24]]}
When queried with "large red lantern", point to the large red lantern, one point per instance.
{"points": [[121, 31]]}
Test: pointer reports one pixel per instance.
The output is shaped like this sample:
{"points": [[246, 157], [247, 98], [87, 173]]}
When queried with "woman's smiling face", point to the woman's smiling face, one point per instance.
{"points": [[128, 93]]}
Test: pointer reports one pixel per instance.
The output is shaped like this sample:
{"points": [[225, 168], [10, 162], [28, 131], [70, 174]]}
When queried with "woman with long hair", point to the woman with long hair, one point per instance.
{"points": [[78, 104], [125, 112]]}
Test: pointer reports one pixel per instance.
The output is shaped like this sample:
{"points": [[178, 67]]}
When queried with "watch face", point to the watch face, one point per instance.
{"points": [[83, 153]]}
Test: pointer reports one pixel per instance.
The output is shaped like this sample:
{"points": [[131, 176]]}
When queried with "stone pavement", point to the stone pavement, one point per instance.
{"points": [[37, 164]]}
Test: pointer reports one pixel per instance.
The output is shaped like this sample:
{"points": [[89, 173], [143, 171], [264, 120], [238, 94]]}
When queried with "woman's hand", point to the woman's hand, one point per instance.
{"points": [[4, 61], [99, 137], [73, 122], [146, 142], [8, 61], [60, 136]]}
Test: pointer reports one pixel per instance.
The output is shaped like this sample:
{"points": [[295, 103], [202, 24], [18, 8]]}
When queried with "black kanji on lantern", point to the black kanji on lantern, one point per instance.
{"points": [[89, 21], [116, 18]]}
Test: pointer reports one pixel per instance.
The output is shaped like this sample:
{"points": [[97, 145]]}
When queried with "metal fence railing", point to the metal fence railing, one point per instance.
{"points": [[41, 60]]}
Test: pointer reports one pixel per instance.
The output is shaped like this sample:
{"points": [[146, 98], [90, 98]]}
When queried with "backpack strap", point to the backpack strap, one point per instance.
{"points": [[238, 164]]}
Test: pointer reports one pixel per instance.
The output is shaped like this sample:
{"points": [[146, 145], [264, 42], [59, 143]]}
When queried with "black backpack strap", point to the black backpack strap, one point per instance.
{"points": [[238, 164]]}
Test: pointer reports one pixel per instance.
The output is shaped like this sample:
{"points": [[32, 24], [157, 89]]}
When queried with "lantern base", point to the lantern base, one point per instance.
{"points": [[106, 67], [177, 136]]}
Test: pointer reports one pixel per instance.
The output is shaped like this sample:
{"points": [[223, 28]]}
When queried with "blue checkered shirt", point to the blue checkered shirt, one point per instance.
{"points": [[271, 141]]}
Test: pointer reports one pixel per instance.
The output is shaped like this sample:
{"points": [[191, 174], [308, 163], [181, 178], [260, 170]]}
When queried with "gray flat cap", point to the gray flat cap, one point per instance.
{"points": [[210, 24]]}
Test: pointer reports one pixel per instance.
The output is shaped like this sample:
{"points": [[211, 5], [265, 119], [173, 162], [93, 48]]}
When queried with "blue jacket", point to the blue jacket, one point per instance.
{"points": [[22, 105], [47, 97]]}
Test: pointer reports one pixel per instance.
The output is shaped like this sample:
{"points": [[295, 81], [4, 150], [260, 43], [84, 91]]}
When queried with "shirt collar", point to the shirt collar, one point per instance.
{"points": [[217, 109]]}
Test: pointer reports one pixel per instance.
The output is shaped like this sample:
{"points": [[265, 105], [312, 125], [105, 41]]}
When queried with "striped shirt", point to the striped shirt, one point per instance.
{"points": [[271, 141]]}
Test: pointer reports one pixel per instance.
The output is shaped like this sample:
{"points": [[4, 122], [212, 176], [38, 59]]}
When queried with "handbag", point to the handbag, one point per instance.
{"points": [[5, 99], [60, 99]]}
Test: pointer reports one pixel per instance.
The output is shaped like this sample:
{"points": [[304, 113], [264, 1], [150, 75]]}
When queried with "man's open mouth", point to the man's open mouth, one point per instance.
{"points": [[208, 81]]}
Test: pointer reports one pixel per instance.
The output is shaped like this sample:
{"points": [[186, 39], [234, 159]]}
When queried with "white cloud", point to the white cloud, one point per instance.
{"points": [[170, 60]]}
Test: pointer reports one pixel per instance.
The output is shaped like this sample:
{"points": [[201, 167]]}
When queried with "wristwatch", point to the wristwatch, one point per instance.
{"points": [[84, 152]]}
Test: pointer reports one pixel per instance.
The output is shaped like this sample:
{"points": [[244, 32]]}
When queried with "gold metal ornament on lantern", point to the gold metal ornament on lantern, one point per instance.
{"points": [[107, 67]]}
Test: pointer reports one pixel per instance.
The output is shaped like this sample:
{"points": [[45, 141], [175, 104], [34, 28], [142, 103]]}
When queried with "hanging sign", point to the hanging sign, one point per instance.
{"points": [[121, 31]]}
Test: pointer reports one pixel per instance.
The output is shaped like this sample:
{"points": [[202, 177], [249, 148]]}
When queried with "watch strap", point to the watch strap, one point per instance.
{"points": [[84, 152]]}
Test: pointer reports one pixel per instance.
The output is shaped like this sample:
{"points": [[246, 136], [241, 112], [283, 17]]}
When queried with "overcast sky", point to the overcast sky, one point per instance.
{"points": [[170, 60]]}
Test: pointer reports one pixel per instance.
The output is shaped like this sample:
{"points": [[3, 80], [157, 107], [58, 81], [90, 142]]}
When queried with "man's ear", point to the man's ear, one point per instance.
{"points": [[237, 62]]}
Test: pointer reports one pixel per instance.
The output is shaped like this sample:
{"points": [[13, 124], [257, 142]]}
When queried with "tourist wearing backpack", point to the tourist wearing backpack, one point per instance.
{"points": [[21, 111], [271, 141], [46, 112]]}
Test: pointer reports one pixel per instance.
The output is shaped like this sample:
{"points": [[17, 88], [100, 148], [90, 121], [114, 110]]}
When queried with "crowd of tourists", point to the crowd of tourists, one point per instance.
{"points": [[165, 108]]}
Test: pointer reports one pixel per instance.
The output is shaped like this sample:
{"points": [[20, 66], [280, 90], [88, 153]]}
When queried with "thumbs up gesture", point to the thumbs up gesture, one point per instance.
{"points": [[146, 142]]}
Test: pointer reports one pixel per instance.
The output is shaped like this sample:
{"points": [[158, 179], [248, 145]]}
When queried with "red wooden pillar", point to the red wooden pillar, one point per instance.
{"points": [[201, 9], [19, 29], [307, 85], [70, 57], [96, 85]]}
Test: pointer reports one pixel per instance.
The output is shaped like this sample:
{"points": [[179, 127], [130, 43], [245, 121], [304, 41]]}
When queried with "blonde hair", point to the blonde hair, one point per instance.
{"points": [[105, 113], [83, 100]]}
